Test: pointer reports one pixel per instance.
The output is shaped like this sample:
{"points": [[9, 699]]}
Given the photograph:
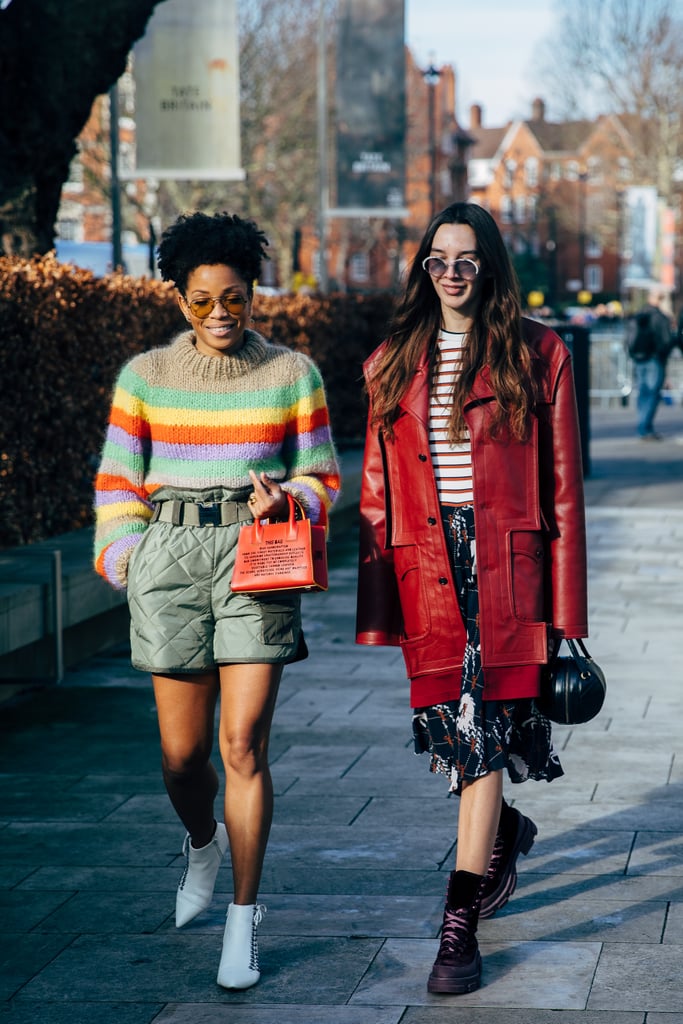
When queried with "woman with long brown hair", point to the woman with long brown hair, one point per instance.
{"points": [[473, 552]]}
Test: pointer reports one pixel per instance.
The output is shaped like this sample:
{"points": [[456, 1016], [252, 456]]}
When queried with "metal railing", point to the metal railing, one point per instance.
{"points": [[611, 369]]}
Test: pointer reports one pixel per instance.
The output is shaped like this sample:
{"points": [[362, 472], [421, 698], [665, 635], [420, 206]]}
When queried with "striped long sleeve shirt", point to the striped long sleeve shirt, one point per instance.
{"points": [[184, 422], [452, 462]]}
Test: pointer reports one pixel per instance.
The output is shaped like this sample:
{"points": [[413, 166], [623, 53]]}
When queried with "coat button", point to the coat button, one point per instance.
{"points": [[443, 581], [422, 457], [431, 520]]}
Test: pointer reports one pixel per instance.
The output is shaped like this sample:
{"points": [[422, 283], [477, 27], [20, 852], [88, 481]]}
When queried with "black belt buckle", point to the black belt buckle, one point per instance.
{"points": [[209, 513]]}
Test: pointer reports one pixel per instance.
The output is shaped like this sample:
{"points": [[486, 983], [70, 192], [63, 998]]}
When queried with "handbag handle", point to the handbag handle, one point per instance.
{"points": [[291, 520], [582, 658]]}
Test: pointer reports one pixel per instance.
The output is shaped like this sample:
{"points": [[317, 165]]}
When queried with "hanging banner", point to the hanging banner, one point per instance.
{"points": [[371, 109], [640, 236], [186, 70], [667, 248]]}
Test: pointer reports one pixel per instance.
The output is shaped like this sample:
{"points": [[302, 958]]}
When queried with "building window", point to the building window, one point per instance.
{"points": [[624, 169], [594, 278], [572, 170], [595, 170], [126, 94], [520, 209], [69, 230], [520, 245], [359, 267], [531, 171], [75, 182], [593, 247], [509, 167], [532, 208], [556, 171], [506, 210], [126, 158]]}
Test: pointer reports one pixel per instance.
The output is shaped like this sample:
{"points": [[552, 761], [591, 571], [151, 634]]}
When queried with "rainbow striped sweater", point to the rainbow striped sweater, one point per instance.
{"points": [[185, 422]]}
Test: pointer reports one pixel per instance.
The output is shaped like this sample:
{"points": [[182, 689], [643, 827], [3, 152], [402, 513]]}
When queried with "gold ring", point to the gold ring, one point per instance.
{"points": [[251, 500]]}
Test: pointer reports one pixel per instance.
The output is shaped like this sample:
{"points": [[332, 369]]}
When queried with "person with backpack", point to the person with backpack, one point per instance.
{"points": [[649, 342]]}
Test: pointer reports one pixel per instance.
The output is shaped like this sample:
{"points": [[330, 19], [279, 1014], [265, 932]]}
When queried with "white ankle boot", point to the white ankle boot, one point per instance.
{"points": [[239, 966], [195, 891]]}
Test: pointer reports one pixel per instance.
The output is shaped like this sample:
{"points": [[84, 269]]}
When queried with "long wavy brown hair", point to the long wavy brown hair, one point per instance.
{"points": [[495, 339]]}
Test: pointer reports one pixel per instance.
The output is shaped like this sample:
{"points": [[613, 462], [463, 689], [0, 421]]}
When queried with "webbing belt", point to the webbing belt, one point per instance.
{"points": [[195, 513]]}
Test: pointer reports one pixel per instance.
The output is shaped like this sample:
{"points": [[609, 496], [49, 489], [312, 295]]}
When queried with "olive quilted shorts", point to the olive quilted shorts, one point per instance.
{"points": [[184, 616]]}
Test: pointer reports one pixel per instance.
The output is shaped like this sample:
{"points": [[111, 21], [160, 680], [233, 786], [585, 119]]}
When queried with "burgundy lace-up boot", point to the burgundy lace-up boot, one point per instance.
{"points": [[515, 835], [457, 968]]}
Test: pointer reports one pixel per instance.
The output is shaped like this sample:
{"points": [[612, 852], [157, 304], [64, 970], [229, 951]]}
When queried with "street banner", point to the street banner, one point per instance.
{"points": [[640, 237], [186, 71], [371, 109], [667, 247]]}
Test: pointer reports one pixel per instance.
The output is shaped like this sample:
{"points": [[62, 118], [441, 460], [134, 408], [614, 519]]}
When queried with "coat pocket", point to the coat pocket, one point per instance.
{"points": [[414, 606], [526, 561]]}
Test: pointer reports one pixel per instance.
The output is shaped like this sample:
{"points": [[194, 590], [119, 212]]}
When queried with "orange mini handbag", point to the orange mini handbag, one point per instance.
{"points": [[290, 555]]}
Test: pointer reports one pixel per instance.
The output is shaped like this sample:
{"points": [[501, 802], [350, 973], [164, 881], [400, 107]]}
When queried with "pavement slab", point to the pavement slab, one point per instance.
{"points": [[363, 834], [511, 978]]}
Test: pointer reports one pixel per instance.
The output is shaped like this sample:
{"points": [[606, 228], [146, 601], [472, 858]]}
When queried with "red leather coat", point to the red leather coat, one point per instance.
{"points": [[529, 525]]}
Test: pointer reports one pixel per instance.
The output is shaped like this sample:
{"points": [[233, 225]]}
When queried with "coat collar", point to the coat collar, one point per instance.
{"points": [[416, 399]]}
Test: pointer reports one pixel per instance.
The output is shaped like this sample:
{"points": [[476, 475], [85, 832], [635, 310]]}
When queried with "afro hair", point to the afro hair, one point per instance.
{"points": [[197, 239]]}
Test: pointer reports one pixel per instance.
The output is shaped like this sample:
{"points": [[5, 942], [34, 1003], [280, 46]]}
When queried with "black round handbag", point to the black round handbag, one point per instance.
{"points": [[573, 688]]}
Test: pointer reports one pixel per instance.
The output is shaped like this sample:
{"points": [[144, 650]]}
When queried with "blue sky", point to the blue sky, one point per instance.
{"points": [[490, 43]]}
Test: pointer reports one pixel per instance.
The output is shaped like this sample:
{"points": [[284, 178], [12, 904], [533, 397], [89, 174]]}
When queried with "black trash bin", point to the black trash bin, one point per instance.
{"points": [[577, 339]]}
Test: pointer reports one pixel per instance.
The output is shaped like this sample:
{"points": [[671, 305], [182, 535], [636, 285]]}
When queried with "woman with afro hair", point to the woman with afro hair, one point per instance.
{"points": [[205, 434]]}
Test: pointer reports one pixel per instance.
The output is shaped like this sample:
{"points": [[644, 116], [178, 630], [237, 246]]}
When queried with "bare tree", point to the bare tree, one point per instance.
{"points": [[55, 58], [623, 57]]}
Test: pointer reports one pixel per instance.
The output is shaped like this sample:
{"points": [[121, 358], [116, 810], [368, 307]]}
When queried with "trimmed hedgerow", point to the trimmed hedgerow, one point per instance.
{"points": [[64, 334]]}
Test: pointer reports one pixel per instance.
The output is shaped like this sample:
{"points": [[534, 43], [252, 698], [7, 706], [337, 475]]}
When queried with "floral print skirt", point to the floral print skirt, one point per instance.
{"points": [[472, 737]]}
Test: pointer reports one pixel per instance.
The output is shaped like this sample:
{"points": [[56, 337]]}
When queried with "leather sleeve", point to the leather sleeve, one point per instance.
{"points": [[566, 513], [378, 617]]}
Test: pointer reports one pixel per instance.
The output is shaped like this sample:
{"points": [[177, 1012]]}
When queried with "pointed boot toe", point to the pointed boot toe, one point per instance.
{"points": [[195, 890]]}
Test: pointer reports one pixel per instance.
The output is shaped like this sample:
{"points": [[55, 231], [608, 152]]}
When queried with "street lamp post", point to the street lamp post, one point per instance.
{"points": [[618, 241], [583, 178], [323, 282], [431, 77], [116, 247]]}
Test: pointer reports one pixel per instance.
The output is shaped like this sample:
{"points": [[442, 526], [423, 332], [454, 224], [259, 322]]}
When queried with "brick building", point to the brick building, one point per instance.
{"points": [[557, 190]]}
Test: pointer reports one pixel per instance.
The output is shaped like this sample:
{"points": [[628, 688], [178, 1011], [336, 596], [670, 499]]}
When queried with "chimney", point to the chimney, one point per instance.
{"points": [[538, 110], [475, 116]]}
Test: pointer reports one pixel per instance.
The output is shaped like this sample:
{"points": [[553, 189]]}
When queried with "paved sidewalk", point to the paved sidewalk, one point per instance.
{"points": [[363, 836]]}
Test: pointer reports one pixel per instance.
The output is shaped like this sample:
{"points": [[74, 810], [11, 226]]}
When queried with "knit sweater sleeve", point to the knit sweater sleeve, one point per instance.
{"points": [[312, 470], [122, 511]]}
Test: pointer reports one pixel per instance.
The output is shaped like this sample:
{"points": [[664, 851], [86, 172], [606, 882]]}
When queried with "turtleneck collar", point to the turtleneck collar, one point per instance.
{"points": [[236, 364]]}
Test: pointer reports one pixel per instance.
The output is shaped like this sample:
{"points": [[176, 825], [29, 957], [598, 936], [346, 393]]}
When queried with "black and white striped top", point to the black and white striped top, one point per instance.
{"points": [[452, 463]]}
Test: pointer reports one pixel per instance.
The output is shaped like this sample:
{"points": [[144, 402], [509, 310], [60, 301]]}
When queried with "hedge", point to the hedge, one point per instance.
{"points": [[64, 334]]}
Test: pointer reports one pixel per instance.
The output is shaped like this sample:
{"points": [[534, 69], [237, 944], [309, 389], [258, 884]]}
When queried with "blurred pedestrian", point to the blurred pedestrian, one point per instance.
{"points": [[649, 341], [204, 435], [472, 551]]}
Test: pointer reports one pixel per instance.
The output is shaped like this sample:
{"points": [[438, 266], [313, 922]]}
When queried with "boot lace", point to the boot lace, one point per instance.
{"points": [[186, 854], [457, 932], [497, 857], [259, 911]]}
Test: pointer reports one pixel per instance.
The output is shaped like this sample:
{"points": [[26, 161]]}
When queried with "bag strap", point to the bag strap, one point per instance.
{"points": [[582, 659], [577, 649]]}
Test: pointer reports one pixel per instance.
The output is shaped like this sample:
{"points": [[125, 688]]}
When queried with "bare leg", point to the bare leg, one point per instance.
{"points": [[480, 804], [186, 708], [248, 695]]}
